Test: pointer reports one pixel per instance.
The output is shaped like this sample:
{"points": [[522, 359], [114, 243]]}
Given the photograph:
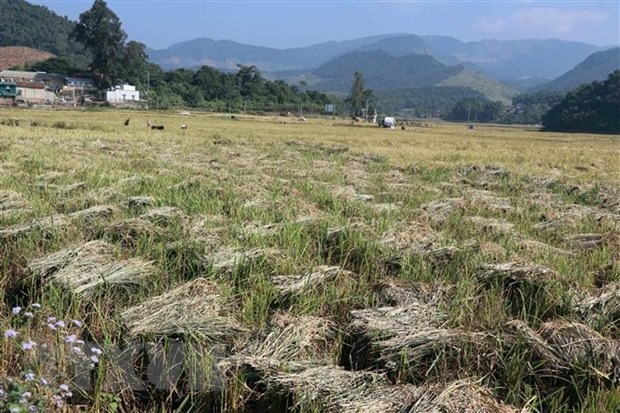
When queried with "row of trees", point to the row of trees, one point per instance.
{"points": [[212, 89]]}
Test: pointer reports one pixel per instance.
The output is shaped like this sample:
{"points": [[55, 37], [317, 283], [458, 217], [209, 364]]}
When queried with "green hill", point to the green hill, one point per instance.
{"points": [[38, 27], [383, 71], [595, 67], [491, 88]]}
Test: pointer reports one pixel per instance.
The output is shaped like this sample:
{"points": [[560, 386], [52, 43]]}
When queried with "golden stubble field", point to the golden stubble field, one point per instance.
{"points": [[272, 264]]}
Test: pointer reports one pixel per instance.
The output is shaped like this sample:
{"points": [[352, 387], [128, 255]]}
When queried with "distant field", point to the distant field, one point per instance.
{"points": [[269, 264]]}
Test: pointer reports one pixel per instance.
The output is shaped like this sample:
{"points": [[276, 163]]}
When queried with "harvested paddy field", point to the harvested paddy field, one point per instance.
{"points": [[255, 264]]}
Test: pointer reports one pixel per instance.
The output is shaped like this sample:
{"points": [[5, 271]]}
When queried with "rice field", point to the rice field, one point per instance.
{"points": [[253, 264]]}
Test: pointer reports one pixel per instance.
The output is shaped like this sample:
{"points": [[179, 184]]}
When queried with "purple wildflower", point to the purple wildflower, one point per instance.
{"points": [[64, 390], [28, 345], [10, 333], [16, 310], [58, 400]]}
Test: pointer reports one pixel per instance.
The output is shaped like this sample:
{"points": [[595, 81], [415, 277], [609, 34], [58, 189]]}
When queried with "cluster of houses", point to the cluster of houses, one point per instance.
{"points": [[21, 87]]}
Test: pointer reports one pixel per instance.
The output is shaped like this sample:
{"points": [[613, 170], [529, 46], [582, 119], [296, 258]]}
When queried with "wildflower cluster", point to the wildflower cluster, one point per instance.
{"points": [[32, 392]]}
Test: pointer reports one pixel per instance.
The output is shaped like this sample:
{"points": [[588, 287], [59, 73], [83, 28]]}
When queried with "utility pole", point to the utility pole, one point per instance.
{"points": [[468, 114], [148, 88]]}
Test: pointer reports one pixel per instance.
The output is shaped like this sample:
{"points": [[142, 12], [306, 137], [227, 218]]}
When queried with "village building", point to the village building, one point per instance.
{"points": [[48, 88], [8, 91], [77, 89], [30, 87], [17, 76], [123, 94], [80, 83], [52, 81], [34, 93]]}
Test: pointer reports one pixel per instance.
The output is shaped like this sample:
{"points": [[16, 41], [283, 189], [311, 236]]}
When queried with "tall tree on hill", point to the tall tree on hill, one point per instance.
{"points": [[99, 30]]}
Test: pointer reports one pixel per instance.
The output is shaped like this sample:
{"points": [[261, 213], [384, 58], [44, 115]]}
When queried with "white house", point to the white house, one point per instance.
{"points": [[123, 94]]}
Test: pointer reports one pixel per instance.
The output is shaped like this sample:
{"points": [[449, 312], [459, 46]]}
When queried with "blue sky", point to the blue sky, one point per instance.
{"points": [[281, 24]]}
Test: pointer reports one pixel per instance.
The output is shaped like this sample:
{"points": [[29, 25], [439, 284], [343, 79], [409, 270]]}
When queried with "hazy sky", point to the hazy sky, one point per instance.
{"points": [[160, 23]]}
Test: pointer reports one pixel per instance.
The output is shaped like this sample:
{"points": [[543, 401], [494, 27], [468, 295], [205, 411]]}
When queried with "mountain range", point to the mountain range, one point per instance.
{"points": [[510, 61]]}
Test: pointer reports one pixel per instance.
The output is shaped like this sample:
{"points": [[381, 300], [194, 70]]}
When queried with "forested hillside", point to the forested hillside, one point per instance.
{"points": [[425, 101], [594, 107], [383, 71], [24, 24]]}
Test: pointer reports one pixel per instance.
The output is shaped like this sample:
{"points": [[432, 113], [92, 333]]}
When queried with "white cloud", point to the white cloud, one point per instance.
{"points": [[541, 22]]}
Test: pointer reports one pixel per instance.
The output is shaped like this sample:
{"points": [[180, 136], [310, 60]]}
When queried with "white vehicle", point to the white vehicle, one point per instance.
{"points": [[388, 122]]}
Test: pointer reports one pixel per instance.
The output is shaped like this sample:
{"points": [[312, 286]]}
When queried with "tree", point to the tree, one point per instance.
{"points": [[60, 65], [250, 81], [357, 94], [99, 30], [134, 63]]}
